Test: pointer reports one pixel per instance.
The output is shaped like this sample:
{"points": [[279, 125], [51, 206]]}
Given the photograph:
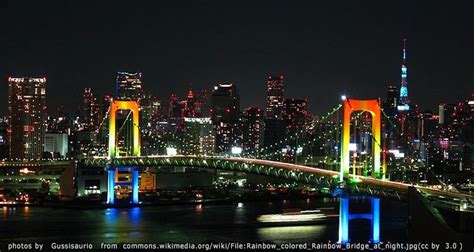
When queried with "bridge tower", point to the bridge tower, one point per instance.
{"points": [[112, 172], [345, 217], [373, 107]]}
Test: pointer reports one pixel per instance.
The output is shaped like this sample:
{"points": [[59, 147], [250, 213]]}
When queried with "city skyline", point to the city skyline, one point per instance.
{"points": [[282, 125], [319, 53]]}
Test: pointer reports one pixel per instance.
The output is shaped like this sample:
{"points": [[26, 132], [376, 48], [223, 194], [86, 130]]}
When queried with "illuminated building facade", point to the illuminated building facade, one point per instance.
{"points": [[275, 97], [56, 144], [174, 108], [225, 115], [90, 110], [295, 112], [150, 117], [198, 136], [26, 114], [195, 104], [3, 139], [190, 108], [58, 121], [391, 100], [129, 86], [253, 126]]}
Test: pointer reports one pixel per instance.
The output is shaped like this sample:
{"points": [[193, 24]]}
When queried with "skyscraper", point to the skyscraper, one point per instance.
{"points": [[26, 112], [390, 102], [174, 108], [198, 136], [295, 112], [404, 101], [275, 97], [90, 110], [252, 120], [3, 139], [225, 115], [129, 86]]}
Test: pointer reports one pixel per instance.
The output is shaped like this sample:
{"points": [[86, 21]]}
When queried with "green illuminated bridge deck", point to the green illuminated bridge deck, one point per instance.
{"points": [[306, 174], [300, 173], [293, 172]]}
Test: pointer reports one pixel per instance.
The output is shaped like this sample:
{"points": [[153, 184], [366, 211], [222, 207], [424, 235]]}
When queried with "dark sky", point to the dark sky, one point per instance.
{"points": [[324, 48]]}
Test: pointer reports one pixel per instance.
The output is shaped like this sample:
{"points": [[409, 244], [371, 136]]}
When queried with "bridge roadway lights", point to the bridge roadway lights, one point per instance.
{"points": [[112, 181], [345, 217]]}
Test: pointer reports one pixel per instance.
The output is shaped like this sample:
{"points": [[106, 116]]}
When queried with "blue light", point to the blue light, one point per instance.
{"points": [[375, 219], [345, 217], [343, 220], [110, 186], [134, 215], [134, 185], [403, 107], [403, 91]]}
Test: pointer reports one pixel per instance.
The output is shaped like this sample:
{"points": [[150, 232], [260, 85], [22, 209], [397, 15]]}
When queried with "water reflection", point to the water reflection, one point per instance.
{"points": [[198, 208], [134, 215], [290, 234], [198, 223]]}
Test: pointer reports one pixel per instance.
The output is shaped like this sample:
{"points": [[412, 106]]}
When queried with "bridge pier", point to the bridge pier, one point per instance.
{"points": [[345, 217], [112, 181]]}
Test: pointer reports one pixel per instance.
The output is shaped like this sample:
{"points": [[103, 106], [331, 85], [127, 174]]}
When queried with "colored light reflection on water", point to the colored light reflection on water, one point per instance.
{"points": [[289, 234]]}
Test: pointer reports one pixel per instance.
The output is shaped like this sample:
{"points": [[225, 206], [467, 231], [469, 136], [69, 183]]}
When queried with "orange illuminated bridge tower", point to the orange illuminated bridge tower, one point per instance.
{"points": [[112, 172], [373, 107]]}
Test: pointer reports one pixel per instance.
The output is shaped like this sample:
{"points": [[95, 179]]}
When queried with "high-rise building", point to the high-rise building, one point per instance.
{"points": [[225, 115], [58, 121], [189, 105], [295, 112], [129, 86], [275, 97], [202, 103], [253, 126], [90, 110], [446, 113], [150, 117], [275, 130], [3, 139], [174, 108], [390, 102], [225, 104], [198, 136], [404, 101], [26, 114], [150, 112]]}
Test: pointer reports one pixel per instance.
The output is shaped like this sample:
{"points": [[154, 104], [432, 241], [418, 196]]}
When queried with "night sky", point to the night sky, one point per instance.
{"points": [[324, 48]]}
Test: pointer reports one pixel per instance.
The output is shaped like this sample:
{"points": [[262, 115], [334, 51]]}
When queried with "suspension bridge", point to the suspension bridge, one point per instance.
{"points": [[370, 179], [325, 159]]}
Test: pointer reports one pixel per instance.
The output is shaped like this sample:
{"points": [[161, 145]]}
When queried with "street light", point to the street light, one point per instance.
{"points": [[343, 97]]}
